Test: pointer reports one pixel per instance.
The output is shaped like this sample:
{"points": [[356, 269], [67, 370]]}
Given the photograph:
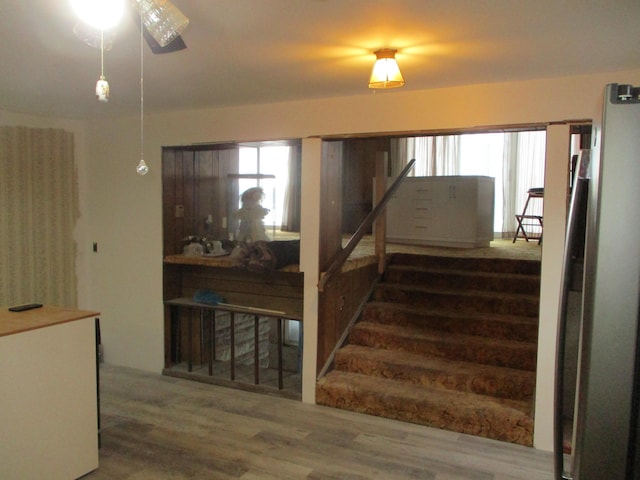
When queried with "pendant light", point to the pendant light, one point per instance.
{"points": [[98, 15], [385, 72], [142, 168], [102, 86]]}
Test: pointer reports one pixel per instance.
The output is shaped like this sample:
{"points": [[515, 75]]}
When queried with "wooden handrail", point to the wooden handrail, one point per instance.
{"points": [[341, 257]]}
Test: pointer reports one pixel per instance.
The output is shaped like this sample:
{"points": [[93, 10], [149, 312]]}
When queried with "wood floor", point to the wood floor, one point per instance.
{"points": [[156, 427]]}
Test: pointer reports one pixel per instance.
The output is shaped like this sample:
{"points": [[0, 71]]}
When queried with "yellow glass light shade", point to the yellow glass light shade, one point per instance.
{"points": [[386, 73]]}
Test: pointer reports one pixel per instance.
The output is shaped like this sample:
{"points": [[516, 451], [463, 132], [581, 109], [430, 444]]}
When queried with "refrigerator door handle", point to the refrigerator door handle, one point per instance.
{"points": [[580, 190]]}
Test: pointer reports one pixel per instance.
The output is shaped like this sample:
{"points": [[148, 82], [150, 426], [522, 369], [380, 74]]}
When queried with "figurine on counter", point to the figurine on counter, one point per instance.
{"points": [[251, 215]]}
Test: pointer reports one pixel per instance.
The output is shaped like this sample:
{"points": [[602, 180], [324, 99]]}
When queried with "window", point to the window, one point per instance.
{"points": [[268, 168]]}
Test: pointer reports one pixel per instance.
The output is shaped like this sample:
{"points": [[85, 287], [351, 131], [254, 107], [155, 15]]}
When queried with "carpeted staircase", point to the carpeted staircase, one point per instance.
{"points": [[448, 342]]}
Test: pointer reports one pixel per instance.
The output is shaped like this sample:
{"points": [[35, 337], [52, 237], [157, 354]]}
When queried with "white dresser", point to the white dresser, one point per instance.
{"points": [[450, 211]]}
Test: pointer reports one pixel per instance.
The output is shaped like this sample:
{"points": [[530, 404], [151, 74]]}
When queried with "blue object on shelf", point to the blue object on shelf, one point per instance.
{"points": [[207, 297]]}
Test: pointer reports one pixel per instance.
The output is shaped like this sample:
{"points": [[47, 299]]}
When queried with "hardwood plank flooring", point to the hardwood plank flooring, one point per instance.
{"points": [[156, 427]]}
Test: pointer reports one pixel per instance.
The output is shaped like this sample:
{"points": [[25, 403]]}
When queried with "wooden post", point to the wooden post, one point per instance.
{"points": [[380, 225]]}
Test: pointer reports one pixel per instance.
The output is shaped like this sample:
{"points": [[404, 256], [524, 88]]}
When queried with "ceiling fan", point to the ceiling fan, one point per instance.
{"points": [[161, 22]]}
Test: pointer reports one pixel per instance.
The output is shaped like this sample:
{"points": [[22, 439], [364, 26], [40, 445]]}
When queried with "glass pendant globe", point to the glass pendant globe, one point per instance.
{"points": [[142, 168], [100, 14]]}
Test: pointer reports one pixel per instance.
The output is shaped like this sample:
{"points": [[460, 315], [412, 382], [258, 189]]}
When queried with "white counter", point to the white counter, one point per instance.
{"points": [[48, 405]]}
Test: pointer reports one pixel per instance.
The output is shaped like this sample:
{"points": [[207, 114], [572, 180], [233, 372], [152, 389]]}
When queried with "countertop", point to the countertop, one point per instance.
{"points": [[357, 260], [225, 261], [46, 316]]}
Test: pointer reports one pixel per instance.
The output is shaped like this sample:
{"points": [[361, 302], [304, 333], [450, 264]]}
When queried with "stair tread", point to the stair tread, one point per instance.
{"points": [[431, 395], [455, 346], [501, 419], [469, 273], [458, 292], [478, 263], [429, 362], [429, 370], [427, 334], [456, 314]]}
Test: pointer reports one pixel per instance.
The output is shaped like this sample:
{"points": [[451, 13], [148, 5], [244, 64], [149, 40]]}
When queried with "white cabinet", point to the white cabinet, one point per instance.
{"points": [[452, 211], [48, 405]]}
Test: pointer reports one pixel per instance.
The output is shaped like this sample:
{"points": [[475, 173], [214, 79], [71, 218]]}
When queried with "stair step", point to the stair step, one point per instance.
{"points": [[436, 372], [458, 299], [454, 346], [447, 278], [510, 327], [506, 420], [503, 265]]}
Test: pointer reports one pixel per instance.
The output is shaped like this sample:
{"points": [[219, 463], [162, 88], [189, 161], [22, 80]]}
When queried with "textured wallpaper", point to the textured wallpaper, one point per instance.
{"points": [[38, 212]]}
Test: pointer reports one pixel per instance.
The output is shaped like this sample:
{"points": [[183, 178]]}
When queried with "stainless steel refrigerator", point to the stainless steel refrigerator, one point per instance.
{"points": [[598, 352]]}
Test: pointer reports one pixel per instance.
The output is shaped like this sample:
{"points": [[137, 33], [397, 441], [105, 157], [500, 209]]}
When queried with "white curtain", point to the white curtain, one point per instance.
{"points": [[38, 212], [434, 155], [292, 194], [402, 150], [445, 155], [523, 168]]}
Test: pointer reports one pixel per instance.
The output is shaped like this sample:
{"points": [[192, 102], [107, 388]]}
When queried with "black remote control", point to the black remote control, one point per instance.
{"points": [[22, 308]]}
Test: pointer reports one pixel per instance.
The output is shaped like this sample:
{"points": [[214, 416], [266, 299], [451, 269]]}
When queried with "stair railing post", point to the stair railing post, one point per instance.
{"points": [[380, 225], [336, 264]]}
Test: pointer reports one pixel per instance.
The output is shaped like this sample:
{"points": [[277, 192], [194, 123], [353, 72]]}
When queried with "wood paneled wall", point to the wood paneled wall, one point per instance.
{"points": [[331, 202], [357, 182], [195, 188], [338, 304]]}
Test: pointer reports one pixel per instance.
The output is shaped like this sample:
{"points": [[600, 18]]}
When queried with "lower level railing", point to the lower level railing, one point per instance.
{"points": [[207, 313]]}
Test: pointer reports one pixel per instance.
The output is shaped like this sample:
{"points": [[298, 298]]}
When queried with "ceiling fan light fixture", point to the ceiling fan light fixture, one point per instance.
{"points": [[385, 72], [94, 37], [100, 14], [162, 20]]}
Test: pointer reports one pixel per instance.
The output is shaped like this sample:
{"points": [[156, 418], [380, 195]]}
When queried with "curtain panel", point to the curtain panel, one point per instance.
{"points": [[523, 168], [38, 214], [293, 192]]}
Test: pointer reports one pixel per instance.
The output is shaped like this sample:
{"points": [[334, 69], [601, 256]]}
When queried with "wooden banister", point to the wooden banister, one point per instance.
{"points": [[342, 256]]}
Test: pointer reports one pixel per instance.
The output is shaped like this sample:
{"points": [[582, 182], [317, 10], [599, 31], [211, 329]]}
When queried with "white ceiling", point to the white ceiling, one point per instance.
{"points": [[260, 51]]}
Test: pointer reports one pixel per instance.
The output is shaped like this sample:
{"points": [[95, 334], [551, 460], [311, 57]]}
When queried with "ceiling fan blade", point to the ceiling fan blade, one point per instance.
{"points": [[175, 45], [154, 9]]}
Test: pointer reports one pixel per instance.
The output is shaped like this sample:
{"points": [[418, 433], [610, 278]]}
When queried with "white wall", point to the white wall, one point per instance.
{"points": [[123, 211]]}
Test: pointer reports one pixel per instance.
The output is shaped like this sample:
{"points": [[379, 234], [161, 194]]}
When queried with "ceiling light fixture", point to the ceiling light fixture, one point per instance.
{"points": [[94, 37], [100, 14], [386, 73], [162, 20], [142, 168], [102, 86]]}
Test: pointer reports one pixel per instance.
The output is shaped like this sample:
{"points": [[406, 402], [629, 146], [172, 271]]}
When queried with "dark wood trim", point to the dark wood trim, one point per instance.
{"points": [[519, 127]]}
